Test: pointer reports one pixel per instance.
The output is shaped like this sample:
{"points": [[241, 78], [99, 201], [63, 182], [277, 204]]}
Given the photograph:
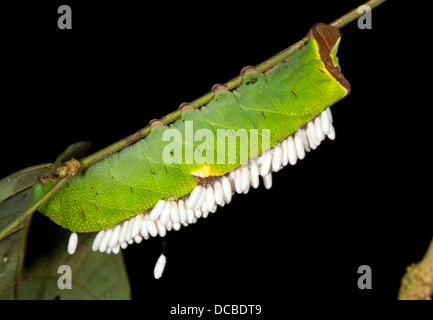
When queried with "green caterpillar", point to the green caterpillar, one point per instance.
{"points": [[181, 172]]}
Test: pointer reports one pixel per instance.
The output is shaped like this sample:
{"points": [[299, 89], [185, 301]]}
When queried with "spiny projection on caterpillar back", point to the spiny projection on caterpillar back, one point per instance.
{"points": [[185, 170]]}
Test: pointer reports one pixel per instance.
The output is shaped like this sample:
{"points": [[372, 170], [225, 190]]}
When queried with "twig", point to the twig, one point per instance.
{"points": [[14, 224], [354, 14], [230, 85], [417, 283], [21, 255]]}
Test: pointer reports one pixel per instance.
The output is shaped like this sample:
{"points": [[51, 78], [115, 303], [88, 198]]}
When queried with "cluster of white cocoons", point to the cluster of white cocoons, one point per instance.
{"points": [[172, 214]]}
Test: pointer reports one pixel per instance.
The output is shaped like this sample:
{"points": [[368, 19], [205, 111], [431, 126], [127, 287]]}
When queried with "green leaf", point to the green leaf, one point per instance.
{"points": [[25, 178], [95, 275], [22, 180], [10, 246], [76, 150]]}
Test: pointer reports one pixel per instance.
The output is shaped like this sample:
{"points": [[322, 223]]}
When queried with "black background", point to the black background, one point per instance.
{"points": [[360, 199]]}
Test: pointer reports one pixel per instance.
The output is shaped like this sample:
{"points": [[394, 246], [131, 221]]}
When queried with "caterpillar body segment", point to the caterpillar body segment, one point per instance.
{"points": [[156, 185], [218, 191]]}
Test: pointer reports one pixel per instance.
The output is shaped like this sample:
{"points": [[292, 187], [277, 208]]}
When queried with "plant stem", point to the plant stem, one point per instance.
{"points": [[21, 255], [354, 14], [417, 283], [230, 85], [14, 224]]}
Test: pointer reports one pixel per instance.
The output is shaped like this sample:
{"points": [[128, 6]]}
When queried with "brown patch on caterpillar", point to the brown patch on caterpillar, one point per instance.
{"points": [[155, 123], [198, 180], [294, 94], [205, 181], [218, 87], [248, 69], [252, 81], [204, 175], [320, 70], [186, 106], [326, 37], [83, 216], [183, 104], [263, 115]]}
